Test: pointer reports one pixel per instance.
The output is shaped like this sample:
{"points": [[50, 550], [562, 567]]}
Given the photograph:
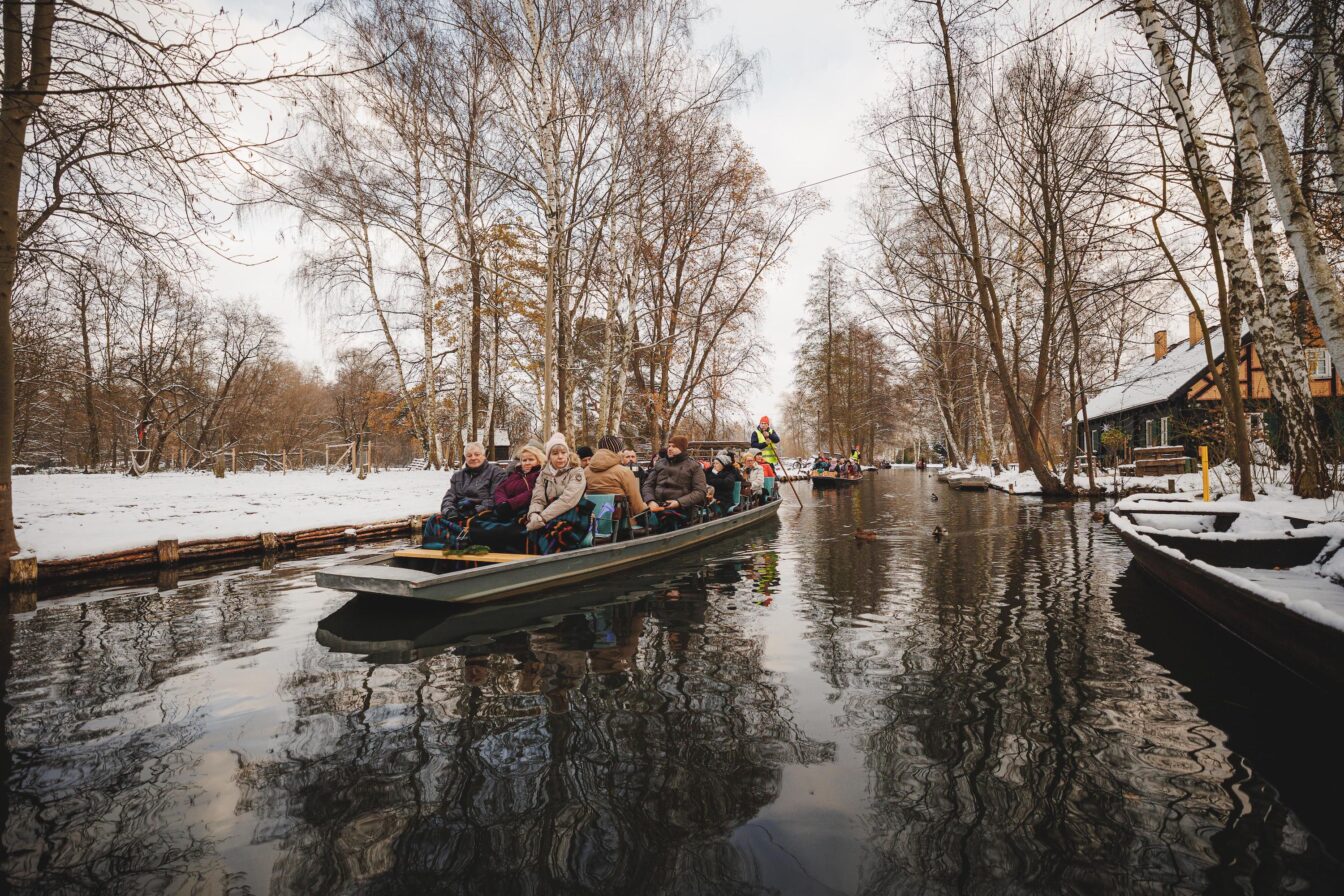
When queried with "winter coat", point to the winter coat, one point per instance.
{"points": [[477, 486], [515, 489], [557, 491], [722, 483], [755, 479], [608, 476], [762, 440], [679, 479]]}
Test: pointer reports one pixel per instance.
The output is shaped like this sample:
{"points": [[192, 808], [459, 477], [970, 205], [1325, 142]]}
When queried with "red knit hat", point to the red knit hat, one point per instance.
{"points": [[765, 421]]}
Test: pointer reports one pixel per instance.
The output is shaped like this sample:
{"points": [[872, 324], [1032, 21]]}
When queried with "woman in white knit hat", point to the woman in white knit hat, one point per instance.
{"points": [[556, 518]]}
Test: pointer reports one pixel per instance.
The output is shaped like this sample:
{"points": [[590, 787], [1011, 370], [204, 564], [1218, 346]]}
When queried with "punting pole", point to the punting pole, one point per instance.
{"points": [[788, 477]]}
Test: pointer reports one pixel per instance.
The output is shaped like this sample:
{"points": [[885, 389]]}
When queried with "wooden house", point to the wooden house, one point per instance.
{"points": [[1162, 402]]}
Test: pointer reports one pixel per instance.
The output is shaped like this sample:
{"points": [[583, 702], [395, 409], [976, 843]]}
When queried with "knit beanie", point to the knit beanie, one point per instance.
{"points": [[584, 451], [534, 448], [724, 459], [556, 439], [611, 443], [681, 442]]}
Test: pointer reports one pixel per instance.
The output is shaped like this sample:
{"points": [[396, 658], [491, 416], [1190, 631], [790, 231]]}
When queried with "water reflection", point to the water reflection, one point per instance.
{"points": [[1008, 709], [613, 751]]}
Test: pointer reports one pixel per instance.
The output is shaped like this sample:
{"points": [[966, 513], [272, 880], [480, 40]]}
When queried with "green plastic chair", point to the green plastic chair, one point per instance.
{"points": [[604, 518]]}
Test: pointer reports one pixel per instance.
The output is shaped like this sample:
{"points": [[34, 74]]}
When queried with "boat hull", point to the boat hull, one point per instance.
{"points": [[1305, 647], [835, 481], [378, 576]]}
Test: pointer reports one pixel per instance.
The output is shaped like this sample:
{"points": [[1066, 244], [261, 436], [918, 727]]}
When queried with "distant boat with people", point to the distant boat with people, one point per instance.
{"points": [[832, 479]]}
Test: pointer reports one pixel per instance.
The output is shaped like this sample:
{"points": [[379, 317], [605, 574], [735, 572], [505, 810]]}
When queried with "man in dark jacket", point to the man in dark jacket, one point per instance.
{"points": [[676, 484], [472, 488]]}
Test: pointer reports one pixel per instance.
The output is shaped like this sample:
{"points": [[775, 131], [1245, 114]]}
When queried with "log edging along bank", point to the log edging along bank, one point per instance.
{"points": [[31, 573]]}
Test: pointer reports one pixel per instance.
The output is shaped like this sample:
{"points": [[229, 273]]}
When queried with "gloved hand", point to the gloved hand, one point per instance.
{"points": [[534, 522], [466, 506]]}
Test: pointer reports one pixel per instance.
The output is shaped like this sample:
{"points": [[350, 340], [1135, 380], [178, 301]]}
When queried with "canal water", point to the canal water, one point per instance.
{"points": [[1011, 709]]}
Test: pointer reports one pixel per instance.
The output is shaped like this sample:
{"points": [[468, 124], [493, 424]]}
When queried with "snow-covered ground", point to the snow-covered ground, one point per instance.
{"points": [[66, 516]]}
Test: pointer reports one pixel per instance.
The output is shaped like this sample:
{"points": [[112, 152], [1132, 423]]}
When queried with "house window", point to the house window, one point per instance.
{"points": [[1256, 424], [1149, 433], [1318, 364], [1165, 430]]}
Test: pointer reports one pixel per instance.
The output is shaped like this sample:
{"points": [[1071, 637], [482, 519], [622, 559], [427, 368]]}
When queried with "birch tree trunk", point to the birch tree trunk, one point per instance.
{"points": [[1247, 73], [1323, 48], [1269, 311], [1227, 239]]}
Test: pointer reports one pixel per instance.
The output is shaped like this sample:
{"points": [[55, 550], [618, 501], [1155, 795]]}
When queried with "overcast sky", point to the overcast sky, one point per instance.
{"points": [[818, 69]]}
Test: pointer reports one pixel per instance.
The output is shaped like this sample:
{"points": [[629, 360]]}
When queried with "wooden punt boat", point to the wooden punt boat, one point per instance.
{"points": [[421, 574], [1242, 583], [829, 479], [969, 482]]}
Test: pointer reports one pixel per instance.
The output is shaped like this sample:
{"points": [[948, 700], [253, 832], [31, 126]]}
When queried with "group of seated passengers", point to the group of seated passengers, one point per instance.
{"points": [[537, 505], [842, 465]]}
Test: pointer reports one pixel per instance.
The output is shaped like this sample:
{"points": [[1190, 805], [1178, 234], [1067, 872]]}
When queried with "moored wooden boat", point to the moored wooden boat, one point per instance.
{"points": [[969, 482], [1252, 586], [419, 574], [830, 479]]}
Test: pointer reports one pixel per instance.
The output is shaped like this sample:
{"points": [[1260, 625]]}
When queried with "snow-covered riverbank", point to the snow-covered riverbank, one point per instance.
{"points": [[64, 516]]}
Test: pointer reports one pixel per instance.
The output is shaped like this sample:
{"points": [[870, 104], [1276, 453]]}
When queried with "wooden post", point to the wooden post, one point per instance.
{"points": [[301, 459], [417, 524], [234, 451], [326, 459], [1204, 468], [22, 570], [168, 552], [284, 461], [270, 543]]}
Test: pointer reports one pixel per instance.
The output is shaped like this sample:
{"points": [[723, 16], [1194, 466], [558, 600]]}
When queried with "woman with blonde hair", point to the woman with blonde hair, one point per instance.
{"points": [[502, 530]]}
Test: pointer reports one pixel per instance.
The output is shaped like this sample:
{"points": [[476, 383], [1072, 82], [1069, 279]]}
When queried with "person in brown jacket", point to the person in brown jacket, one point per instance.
{"points": [[677, 484], [607, 475]]}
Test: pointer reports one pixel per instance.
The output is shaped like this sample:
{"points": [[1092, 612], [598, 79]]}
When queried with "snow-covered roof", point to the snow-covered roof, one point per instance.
{"points": [[1150, 382]]}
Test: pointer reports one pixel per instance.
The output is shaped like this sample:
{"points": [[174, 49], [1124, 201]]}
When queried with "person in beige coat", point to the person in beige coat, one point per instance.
{"points": [[559, 488], [608, 475]]}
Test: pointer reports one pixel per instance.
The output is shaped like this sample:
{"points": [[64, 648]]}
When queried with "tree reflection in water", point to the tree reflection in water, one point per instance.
{"points": [[613, 751], [1014, 737]]}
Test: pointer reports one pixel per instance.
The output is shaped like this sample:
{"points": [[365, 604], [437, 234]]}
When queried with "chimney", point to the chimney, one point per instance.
{"points": [[1196, 333], [1159, 345]]}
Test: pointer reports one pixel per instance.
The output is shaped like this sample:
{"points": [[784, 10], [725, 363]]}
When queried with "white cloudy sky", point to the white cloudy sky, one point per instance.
{"points": [[818, 68]]}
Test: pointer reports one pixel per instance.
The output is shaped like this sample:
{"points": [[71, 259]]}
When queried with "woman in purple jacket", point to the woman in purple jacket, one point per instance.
{"points": [[502, 530]]}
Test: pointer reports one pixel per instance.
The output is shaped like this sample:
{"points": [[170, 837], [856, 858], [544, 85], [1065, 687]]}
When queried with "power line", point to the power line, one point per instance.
{"points": [[827, 180]]}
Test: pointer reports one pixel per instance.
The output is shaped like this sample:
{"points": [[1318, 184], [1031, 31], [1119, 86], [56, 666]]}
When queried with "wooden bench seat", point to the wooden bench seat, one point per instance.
{"points": [[430, 554]]}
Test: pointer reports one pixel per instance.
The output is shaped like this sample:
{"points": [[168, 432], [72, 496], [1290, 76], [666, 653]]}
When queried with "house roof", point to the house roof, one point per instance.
{"points": [[1151, 382]]}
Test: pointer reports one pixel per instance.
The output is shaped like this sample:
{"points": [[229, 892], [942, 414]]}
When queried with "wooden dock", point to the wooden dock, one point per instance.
{"points": [[32, 575]]}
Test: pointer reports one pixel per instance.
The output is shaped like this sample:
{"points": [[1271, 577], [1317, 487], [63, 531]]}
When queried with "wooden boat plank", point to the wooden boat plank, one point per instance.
{"points": [[371, 577], [430, 554]]}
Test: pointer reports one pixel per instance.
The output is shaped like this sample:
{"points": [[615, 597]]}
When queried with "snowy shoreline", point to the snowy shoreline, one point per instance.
{"points": [[63, 517]]}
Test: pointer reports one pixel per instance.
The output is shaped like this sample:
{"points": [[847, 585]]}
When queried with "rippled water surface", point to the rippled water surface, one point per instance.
{"points": [[1012, 709]]}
